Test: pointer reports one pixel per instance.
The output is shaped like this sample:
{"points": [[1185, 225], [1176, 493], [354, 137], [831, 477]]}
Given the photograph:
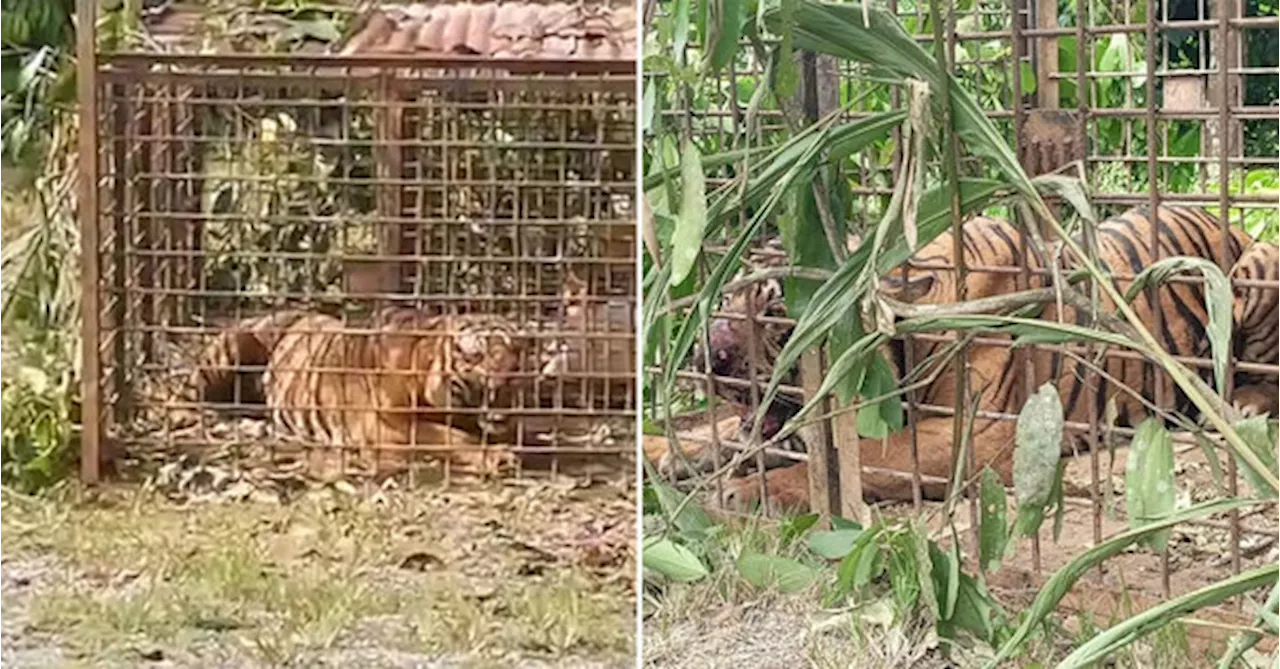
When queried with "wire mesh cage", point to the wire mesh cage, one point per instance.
{"points": [[369, 262], [1165, 110]]}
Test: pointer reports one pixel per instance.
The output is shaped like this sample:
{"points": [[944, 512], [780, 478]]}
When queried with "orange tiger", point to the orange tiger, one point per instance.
{"points": [[997, 376], [375, 387], [1255, 331]]}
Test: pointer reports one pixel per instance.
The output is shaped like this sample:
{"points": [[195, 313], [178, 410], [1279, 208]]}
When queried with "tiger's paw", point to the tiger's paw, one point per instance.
{"points": [[487, 462], [1256, 400]]}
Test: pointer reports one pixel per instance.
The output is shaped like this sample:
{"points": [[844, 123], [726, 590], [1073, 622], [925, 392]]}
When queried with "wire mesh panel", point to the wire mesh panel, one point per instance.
{"points": [[366, 265], [1167, 113]]}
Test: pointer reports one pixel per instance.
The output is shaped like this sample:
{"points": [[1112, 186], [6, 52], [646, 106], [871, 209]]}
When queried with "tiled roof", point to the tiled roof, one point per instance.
{"points": [[558, 31]]}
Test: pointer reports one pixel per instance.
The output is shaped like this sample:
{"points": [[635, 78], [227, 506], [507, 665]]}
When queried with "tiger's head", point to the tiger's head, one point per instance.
{"points": [[485, 356]]}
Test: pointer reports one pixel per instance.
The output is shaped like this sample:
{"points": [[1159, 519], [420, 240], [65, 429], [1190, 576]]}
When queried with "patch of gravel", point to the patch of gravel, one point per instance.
{"points": [[20, 645], [735, 636]]}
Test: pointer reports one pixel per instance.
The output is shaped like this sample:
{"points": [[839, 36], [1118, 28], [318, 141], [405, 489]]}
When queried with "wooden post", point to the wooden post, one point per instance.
{"points": [[87, 84]]}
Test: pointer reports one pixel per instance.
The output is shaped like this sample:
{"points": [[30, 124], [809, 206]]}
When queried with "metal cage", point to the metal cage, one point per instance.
{"points": [[354, 190]]}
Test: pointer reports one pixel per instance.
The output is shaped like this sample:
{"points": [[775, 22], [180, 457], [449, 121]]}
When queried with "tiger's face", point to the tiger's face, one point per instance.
{"points": [[730, 337], [486, 352]]}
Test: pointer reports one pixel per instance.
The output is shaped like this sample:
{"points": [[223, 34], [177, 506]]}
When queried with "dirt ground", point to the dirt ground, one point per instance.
{"points": [[787, 629], [520, 574]]}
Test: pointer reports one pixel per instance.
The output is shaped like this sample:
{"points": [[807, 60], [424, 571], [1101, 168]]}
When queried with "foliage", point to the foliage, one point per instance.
{"points": [[779, 177], [35, 78]]}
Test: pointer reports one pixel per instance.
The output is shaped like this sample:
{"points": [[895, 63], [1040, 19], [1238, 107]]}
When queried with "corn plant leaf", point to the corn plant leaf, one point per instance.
{"points": [[672, 560], [874, 36], [1070, 189], [1065, 578], [1158, 617], [1218, 299], [782, 168], [1038, 448], [686, 241], [1149, 493], [1258, 436], [831, 301], [993, 534], [774, 571]]}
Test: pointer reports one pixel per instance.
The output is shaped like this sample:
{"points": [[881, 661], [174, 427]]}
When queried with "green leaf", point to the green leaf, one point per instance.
{"points": [[994, 532], [1038, 448], [831, 302], [1062, 580], [691, 518], [1257, 435], [793, 528], [973, 605], [835, 544], [879, 420], [673, 561], [680, 35], [1149, 491], [1218, 300], [874, 36], [1158, 617], [1028, 79], [686, 241], [769, 571], [728, 15]]}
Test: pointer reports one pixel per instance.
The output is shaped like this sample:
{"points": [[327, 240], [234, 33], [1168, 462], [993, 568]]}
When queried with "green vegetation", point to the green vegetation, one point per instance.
{"points": [[811, 184]]}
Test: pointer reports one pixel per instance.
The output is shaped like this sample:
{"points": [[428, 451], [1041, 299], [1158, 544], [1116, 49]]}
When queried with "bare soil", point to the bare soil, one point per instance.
{"points": [[518, 574]]}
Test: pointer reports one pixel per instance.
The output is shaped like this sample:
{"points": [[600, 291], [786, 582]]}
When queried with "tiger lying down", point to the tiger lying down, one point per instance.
{"points": [[405, 379], [997, 376]]}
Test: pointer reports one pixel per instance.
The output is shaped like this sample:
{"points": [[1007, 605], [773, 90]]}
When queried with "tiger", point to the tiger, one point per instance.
{"points": [[997, 375], [393, 383], [1254, 316]]}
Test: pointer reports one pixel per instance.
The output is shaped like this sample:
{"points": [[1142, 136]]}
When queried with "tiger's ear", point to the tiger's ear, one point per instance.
{"points": [[910, 290]]}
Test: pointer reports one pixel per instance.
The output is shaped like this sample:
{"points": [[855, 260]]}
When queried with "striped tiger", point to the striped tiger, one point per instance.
{"points": [[999, 378], [375, 387], [1255, 316]]}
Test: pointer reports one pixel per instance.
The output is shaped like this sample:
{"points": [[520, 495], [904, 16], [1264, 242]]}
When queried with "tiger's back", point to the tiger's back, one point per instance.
{"points": [[404, 379], [999, 376]]}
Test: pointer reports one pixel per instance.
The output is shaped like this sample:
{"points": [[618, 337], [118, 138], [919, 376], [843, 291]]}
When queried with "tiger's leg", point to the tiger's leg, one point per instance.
{"points": [[887, 466], [468, 457]]}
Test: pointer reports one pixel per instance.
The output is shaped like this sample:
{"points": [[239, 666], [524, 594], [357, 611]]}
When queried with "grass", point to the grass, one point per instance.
{"points": [[131, 573]]}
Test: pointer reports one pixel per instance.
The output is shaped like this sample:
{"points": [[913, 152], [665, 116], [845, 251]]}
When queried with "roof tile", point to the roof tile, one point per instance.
{"points": [[504, 30]]}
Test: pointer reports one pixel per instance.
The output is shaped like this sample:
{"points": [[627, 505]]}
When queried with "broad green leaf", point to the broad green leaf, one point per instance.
{"points": [[1159, 617], [1257, 435], [1038, 447], [879, 420], [1065, 578], [973, 605], [842, 524], [994, 532], [727, 31], [673, 561], [691, 518], [769, 571], [835, 544], [1149, 493], [686, 241], [680, 35]]}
